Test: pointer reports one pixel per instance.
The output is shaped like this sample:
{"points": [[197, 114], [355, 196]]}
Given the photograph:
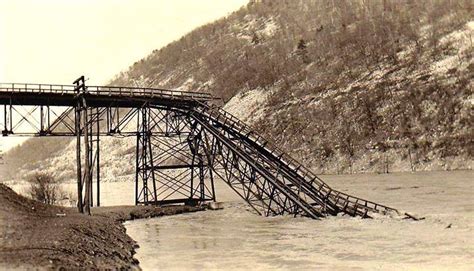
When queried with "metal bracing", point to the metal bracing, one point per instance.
{"points": [[182, 143], [41, 120], [80, 111], [312, 192], [145, 182], [174, 160], [254, 182], [203, 188]]}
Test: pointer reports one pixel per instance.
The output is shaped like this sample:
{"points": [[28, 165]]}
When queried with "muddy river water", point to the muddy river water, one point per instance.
{"points": [[237, 239]]}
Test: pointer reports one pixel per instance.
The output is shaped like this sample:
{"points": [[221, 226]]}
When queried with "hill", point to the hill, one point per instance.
{"points": [[343, 86]]}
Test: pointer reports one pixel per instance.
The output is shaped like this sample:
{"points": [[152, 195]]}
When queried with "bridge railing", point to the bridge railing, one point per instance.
{"points": [[36, 88], [147, 92], [126, 92], [233, 122]]}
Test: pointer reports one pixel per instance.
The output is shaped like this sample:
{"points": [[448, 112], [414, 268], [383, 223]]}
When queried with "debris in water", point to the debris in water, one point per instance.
{"points": [[215, 206], [410, 216]]}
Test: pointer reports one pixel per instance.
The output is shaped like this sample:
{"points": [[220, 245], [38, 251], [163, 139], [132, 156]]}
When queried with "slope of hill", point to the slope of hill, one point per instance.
{"points": [[344, 86]]}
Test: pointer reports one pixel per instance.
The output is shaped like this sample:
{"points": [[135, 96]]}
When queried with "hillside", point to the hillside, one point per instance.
{"points": [[343, 86]]}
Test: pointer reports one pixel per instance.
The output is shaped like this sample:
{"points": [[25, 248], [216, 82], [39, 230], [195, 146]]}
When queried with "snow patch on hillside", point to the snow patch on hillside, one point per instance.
{"points": [[269, 28], [462, 42], [248, 106], [187, 85], [261, 27]]}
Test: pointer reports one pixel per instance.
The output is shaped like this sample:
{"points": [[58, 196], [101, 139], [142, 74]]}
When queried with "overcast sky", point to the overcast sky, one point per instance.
{"points": [[56, 41]]}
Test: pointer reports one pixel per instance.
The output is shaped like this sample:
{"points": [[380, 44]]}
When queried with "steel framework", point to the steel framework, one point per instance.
{"points": [[182, 143]]}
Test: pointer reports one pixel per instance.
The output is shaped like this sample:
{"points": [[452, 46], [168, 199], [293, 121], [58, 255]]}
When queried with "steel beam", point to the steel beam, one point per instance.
{"points": [[181, 144]]}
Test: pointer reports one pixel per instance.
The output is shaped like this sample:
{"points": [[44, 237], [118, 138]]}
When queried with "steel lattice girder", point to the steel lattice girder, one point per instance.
{"points": [[267, 192], [310, 189], [175, 164]]}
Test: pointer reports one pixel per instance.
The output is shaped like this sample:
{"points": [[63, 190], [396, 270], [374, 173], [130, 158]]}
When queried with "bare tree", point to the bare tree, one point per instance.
{"points": [[44, 188]]}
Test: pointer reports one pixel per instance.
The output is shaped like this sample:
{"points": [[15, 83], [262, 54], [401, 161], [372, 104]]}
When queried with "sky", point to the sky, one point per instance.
{"points": [[56, 41]]}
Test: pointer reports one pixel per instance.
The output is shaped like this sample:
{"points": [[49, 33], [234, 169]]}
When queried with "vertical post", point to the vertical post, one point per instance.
{"points": [[107, 110], [191, 183], [137, 157], [87, 179], [8, 119], [41, 120], [209, 151], [197, 141], [193, 147], [211, 177], [98, 159], [117, 113], [91, 157], [5, 130], [152, 168], [144, 153], [49, 119], [201, 177], [80, 105], [78, 157], [11, 116]]}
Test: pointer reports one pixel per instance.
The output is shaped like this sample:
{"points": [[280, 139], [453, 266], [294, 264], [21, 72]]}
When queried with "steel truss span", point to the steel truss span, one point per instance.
{"points": [[183, 143]]}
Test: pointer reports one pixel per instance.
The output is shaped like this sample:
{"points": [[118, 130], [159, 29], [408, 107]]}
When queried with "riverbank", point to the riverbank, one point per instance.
{"points": [[35, 235]]}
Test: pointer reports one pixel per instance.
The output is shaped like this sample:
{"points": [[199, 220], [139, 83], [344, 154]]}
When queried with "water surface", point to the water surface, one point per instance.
{"points": [[237, 239]]}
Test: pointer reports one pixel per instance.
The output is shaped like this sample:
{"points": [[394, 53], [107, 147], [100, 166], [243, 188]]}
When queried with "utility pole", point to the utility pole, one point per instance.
{"points": [[83, 180], [78, 145]]}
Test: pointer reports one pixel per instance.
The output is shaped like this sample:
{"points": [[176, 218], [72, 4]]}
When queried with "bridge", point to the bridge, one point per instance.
{"points": [[183, 142]]}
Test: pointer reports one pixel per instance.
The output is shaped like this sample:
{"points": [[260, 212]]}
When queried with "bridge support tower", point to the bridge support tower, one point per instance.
{"points": [[170, 164]]}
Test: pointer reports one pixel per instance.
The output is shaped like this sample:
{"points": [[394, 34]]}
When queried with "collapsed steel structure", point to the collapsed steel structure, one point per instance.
{"points": [[183, 142]]}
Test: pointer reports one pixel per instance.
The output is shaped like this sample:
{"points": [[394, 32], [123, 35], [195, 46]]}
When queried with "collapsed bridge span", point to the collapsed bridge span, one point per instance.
{"points": [[183, 142]]}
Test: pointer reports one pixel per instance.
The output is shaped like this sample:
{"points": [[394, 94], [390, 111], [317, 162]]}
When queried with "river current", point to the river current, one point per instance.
{"points": [[237, 239]]}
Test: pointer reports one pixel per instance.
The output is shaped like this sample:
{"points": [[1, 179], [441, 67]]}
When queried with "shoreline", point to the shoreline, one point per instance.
{"points": [[38, 236]]}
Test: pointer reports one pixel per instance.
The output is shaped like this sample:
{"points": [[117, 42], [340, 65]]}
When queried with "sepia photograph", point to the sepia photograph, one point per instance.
{"points": [[237, 135]]}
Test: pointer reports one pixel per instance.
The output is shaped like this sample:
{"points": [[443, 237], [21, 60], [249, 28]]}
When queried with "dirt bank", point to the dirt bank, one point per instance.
{"points": [[33, 234]]}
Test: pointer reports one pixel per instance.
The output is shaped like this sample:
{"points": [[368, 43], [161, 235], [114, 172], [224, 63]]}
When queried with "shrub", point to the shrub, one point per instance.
{"points": [[44, 188]]}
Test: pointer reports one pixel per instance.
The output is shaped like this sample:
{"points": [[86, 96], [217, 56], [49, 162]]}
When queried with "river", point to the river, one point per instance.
{"points": [[237, 239]]}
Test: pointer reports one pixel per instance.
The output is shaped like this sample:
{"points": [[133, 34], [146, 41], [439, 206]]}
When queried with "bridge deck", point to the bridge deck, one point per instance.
{"points": [[97, 96], [300, 177]]}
